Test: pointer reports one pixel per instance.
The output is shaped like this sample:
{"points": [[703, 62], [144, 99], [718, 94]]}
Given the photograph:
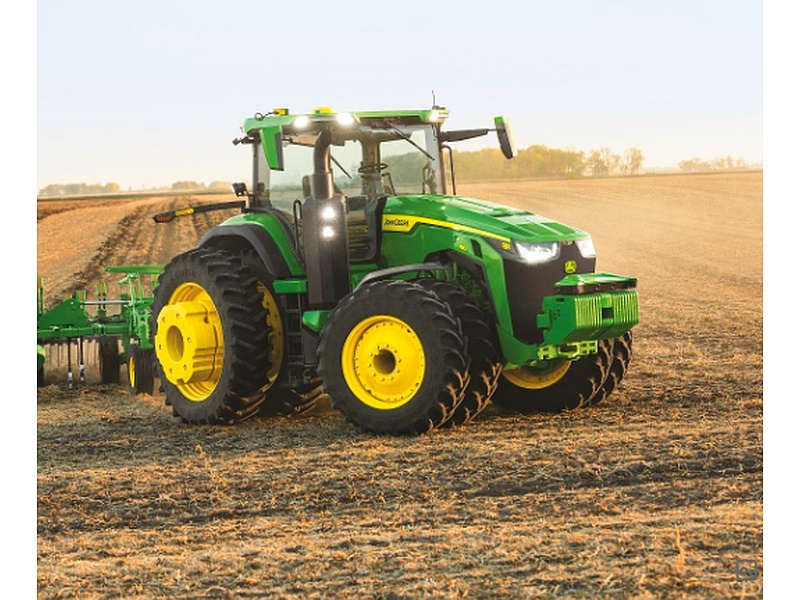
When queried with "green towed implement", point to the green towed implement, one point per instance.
{"points": [[113, 322], [371, 279]]}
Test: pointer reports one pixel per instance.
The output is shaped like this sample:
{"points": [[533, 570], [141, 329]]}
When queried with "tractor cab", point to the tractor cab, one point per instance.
{"points": [[373, 156]]}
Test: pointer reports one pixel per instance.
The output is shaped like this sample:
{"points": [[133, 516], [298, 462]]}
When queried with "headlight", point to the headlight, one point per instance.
{"points": [[537, 253], [302, 122], [328, 213], [586, 248], [345, 119]]}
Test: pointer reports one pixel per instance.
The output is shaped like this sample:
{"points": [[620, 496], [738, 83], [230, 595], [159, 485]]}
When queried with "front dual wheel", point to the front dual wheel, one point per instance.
{"points": [[393, 359], [563, 384]]}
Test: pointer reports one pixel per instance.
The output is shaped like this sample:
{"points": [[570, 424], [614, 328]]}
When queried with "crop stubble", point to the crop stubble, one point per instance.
{"points": [[655, 493]]}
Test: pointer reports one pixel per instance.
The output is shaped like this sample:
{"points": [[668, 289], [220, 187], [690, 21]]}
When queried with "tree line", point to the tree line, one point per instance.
{"points": [[74, 189], [489, 163], [541, 161], [81, 189], [728, 163]]}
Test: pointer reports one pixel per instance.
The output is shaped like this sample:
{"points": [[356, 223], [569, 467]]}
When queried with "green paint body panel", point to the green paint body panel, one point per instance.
{"points": [[482, 218], [315, 319], [466, 225], [290, 286], [276, 232], [569, 319]]}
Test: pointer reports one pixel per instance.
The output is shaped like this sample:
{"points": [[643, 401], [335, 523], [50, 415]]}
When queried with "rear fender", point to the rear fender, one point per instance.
{"points": [[251, 235]]}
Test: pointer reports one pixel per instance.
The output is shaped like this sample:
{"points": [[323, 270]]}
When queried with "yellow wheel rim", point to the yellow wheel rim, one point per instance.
{"points": [[189, 341], [275, 337], [537, 379], [383, 362]]}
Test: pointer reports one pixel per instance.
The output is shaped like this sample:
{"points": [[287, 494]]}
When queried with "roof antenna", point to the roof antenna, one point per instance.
{"points": [[435, 106]]}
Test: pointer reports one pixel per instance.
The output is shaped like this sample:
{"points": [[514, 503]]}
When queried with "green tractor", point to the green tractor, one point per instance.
{"points": [[355, 270]]}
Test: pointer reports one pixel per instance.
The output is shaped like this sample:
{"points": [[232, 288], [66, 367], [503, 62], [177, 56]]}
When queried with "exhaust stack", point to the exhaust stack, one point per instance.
{"points": [[325, 233]]}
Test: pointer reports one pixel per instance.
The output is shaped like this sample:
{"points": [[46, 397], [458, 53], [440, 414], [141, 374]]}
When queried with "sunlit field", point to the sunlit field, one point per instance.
{"points": [[656, 492]]}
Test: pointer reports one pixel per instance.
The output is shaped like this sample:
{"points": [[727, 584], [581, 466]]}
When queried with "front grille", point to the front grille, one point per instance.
{"points": [[527, 285]]}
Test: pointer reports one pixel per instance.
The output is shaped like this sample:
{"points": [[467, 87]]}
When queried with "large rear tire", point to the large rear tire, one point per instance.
{"points": [[484, 365], [393, 359], [211, 337], [559, 385], [280, 398]]}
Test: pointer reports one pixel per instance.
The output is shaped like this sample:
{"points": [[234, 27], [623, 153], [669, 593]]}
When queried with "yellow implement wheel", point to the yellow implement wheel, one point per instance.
{"points": [[383, 362], [537, 379], [189, 342], [140, 370]]}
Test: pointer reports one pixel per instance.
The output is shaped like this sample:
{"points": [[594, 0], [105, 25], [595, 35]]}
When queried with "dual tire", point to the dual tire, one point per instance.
{"points": [[482, 349], [211, 337], [220, 341], [567, 385], [393, 359], [280, 397]]}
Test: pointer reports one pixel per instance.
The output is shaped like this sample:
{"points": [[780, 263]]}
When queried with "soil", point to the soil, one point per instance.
{"points": [[657, 492]]}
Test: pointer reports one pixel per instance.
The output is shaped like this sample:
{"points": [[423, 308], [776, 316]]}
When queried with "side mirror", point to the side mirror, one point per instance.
{"points": [[239, 188], [504, 137], [272, 144]]}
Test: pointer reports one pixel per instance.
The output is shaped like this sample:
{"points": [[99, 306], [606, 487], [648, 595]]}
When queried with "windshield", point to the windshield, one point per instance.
{"points": [[366, 162]]}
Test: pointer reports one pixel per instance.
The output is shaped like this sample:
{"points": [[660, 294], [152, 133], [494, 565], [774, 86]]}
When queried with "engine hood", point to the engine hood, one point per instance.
{"points": [[402, 213]]}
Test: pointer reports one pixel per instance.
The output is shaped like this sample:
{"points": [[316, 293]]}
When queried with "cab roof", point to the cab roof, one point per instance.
{"points": [[284, 118]]}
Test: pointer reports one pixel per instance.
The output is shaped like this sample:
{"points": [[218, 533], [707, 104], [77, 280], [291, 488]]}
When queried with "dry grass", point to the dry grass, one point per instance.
{"points": [[654, 494]]}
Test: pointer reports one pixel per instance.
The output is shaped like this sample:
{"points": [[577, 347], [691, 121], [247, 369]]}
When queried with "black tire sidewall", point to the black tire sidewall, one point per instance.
{"points": [[482, 348], [108, 357], [143, 369]]}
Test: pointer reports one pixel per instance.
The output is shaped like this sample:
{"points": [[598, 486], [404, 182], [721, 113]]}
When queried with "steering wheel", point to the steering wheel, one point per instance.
{"points": [[372, 168]]}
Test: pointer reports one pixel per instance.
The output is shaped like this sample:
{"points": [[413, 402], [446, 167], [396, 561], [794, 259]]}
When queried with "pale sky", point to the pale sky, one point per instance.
{"points": [[144, 94]]}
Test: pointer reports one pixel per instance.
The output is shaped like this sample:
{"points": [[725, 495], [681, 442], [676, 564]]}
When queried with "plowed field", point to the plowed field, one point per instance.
{"points": [[655, 493]]}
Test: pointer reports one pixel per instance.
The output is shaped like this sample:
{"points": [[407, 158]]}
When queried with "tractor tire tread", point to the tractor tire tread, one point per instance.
{"points": [[484, 365]]}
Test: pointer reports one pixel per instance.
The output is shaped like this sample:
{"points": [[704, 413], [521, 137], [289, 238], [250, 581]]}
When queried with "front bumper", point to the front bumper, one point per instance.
{"points": [[592, 306], [586, 308]]}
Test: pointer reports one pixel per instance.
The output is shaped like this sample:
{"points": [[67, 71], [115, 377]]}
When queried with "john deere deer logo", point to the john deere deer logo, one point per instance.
{"points": [[570, 266]]}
